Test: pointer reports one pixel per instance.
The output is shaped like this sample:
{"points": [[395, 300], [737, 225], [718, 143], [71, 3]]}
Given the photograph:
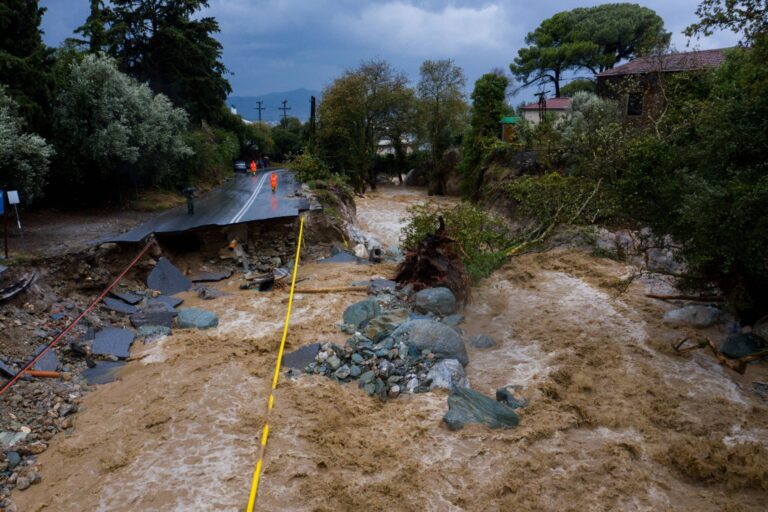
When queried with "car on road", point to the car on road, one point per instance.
{"points": [[241, 166]]}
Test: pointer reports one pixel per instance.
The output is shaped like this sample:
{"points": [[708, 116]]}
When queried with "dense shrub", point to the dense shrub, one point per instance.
{"points": [[309, 167], [483, 237]]}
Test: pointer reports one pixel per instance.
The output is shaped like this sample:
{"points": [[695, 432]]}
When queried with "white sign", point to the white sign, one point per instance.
{"points": [[13, 197]]}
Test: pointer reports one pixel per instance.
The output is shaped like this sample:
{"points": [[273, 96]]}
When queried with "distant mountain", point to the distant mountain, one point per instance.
{"points": [[298, 101]]}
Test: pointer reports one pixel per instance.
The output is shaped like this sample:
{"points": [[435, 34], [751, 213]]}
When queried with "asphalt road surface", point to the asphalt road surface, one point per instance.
{"points": [[242, 199]]}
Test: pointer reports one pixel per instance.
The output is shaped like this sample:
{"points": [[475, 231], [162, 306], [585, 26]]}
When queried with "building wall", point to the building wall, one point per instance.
{"points": [[532, 116]]}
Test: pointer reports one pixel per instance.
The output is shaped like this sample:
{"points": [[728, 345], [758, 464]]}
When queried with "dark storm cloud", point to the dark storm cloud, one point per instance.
{"points": [[286, 44]]}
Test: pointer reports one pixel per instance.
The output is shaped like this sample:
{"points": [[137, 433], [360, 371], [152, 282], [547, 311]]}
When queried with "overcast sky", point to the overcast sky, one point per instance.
{"points": [[280, 45]]}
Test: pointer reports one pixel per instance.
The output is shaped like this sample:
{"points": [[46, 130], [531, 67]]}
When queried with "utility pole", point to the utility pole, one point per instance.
{"points": [[285, 108], [259, 108], [312, 105]]}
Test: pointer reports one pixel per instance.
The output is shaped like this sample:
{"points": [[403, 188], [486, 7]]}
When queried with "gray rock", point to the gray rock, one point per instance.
{"points": [[367, 377], [361, 312], [194, 318], [343, 372], [412, 384], [22, 483], [333, 362], [439, 301], [168, 279], [357, 358], [119, 306], [741, 345], [483, 341], [382, 326], [113, 341], [761, 329], [11, 438], [13, 459], [438, 338], [49, 362], [693, 316], [453, 320], [468, 406], [447, 374], [512, 396], [394, 391], [207, 293], [355, 371], [299, 359]]}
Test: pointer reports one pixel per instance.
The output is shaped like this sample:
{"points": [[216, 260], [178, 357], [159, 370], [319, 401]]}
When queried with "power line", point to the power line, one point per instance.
{"points": [[285, 108]]}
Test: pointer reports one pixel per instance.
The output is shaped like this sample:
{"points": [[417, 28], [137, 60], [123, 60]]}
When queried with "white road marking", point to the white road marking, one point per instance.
{"points": [[249, 202]]}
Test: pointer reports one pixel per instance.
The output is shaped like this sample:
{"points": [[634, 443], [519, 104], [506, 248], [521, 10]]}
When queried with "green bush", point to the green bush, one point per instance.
{"points": [[309, 167], [483, 237]]}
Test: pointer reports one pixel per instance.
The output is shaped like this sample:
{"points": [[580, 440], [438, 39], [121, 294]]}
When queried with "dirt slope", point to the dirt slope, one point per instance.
{"points": [[616, 421]]}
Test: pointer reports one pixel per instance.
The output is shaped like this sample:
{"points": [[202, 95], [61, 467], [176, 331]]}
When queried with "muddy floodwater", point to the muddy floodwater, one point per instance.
{"points": [[616, 421]]}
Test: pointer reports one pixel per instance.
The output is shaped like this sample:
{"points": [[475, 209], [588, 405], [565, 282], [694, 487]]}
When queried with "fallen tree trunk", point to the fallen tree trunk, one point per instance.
{"points": [[696, 298]]}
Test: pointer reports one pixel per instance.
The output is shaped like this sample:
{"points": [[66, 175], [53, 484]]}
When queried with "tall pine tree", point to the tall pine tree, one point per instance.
{"points": [[25, 62]]}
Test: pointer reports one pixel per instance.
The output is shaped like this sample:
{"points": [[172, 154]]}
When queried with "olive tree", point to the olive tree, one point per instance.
{"points": [[108, 123]]}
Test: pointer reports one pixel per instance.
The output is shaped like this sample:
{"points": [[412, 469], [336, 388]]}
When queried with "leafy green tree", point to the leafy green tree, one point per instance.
{"points": [[619, 32], [356, 113], [551, 52], [94, 29], [488, 107], [578, 85], [442, 110], [290, 138], [25, 62], [24, 157], [747, 16], [595, 38], [164, 43], [108, 124]]}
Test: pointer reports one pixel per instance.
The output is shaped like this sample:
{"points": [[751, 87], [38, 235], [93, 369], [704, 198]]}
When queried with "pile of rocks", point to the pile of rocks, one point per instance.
{"points": [[405, 342]]}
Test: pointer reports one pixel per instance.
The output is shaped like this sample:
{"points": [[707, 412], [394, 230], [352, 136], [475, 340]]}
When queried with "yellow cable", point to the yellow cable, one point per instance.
{"points": [[271, 400]]}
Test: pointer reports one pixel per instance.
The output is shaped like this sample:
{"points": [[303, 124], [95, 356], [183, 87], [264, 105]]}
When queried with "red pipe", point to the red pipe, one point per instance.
{"points": [[77, 320]]}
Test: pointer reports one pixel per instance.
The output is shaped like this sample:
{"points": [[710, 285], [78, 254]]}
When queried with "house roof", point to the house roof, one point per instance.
{"points": [[510, 120], [552, 104], [683, 61]]}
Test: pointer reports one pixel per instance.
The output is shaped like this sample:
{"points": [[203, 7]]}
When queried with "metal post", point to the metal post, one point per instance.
{"points": [[21, 230], [285, 108], [259, 108], [5, 223]]}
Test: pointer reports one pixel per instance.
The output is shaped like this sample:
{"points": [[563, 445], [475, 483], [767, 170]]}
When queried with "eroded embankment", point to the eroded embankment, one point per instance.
{"points": [[616, 420]]}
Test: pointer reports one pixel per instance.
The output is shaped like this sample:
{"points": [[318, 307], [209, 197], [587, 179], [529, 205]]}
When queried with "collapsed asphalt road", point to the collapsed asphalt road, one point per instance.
{"points": [[242, 199]]}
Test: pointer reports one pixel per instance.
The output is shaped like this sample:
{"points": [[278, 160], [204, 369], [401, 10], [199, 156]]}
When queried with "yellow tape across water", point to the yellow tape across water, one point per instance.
{"points": [[271, 400]]}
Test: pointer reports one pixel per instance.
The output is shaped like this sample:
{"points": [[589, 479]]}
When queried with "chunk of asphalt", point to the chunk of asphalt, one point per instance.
{"points": [[127, 297], [168, 279], [113, 341], [6, 370], [210, 277], [158, 313], [103, 372], [299, 359], [119, 306], [168, 300], [49, 361]]}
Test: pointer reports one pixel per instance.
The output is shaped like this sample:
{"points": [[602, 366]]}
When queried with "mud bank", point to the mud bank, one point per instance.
{"points": [[616, 420]]}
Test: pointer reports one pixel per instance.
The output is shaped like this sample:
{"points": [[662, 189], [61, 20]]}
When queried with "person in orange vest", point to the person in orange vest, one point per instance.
{"points": [[253, 167], [273, 181]]}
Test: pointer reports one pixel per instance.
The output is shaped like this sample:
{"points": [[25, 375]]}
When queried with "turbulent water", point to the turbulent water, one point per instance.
{"points": [[616, 420]]}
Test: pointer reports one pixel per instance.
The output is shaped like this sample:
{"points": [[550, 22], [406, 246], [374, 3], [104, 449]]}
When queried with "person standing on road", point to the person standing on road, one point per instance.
{"points": [[273, 181], [189, 193], [253, 167]]}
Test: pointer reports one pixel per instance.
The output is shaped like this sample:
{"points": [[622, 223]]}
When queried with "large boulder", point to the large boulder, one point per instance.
{"points": [[436, 337], [168, 279], [193, 318], [741, 345], [440, 301], [113, 341], [361, 312], [467, 406], [693, 316], [448, 374]]}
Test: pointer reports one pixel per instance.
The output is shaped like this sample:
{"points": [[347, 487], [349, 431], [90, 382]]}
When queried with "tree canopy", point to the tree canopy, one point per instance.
{"points": [[109, 124], [593, 38], [25, 62], [749, 17], [163, 43]]}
